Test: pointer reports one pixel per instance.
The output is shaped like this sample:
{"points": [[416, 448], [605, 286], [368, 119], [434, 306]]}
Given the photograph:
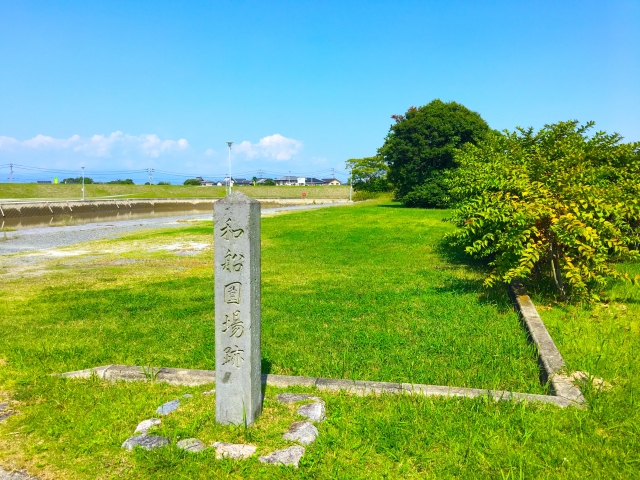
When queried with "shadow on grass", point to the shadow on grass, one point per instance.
{"points": [[495, 296]]}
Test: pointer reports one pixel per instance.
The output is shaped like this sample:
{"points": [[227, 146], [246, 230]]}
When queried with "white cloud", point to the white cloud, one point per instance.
{"points": [[209, 151], [149, 145], [275, 146]]}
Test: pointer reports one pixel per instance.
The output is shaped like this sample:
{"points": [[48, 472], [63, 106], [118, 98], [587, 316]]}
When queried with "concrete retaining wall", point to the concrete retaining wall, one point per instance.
{"points": [[75, 207]]}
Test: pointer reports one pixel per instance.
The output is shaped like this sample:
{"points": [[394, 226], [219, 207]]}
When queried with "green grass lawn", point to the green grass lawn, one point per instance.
{"points": [[36, 191], [359, 292]]}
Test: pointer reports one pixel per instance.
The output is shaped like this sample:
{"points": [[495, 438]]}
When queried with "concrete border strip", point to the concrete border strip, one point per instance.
{"points": [[549, 357], [188, 377]]}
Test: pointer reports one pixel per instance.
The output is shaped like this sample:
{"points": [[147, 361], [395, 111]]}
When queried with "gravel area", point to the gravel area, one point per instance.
{"points": [[30, 239]]}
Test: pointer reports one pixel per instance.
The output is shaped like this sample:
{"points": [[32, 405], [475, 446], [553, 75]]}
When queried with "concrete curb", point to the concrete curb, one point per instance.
{"points": [[177, 376], [552, 366], [566, 394]]}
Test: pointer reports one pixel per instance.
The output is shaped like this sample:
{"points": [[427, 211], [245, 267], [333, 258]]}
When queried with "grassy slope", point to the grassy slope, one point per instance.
{"points": [[30, 190], [357, 292]]}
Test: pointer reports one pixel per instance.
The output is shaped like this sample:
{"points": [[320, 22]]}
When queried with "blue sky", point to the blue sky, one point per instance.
{"points": [[298, 86]]}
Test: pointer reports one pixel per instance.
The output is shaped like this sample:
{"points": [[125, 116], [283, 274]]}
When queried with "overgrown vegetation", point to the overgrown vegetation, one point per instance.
{"points": [[420, 147], [557, 202]]}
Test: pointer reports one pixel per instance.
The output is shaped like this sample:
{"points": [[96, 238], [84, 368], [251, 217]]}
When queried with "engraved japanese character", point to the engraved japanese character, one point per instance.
{"points": [[234, 323], [233, 261], [233, 356], [232, 292], [228, 232]]}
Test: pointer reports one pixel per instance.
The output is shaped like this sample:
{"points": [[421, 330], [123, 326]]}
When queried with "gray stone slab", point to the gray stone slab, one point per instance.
{"points": [[297, 397], [237, 309], [313, 411], [335, 385], [167, 408], [364, 388], [236, 451], [284, 381], [147, 442], [303, 432], [378, 387], [145, 425], [191, 445], [14, 475], [5, 412], [287, 456], [549, 356]]}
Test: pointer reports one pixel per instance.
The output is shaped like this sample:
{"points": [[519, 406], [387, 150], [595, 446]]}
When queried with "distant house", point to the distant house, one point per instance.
{"points": [[262, 180], [205, 183], [331, 181], [241, 181], [309, 181], [286, 180]]}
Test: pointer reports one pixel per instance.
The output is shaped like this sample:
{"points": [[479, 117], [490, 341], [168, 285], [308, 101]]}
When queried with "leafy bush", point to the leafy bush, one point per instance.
{"points": [[422, 143], [87, 180], [360, 195], [164, 183], [192, 181], [433, 193], [269, 182], [556, 202], [128, 181]]}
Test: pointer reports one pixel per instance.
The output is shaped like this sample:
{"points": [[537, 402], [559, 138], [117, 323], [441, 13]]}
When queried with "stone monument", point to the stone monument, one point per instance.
{"points": [[236, 225]]}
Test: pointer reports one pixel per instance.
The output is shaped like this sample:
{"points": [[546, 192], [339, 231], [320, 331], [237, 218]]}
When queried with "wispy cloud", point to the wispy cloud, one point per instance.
{"points": [[275, 147], [149, 145]]}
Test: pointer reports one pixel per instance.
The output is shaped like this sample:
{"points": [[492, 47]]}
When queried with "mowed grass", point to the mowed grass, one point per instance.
{"points": [[350, 292], [36, 191]]}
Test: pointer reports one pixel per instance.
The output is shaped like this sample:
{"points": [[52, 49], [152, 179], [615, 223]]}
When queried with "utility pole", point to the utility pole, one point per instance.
{"points": [[351, 186], [259, 174], [230, 186], [11, 173], [333, 173], [83, 184]]}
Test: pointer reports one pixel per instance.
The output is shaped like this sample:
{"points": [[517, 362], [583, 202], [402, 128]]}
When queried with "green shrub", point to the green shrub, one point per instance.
{"points": [[556, 203], [192, 181]]}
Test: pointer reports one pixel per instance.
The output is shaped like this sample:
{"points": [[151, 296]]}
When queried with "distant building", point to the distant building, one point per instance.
{"points": [[44, 181], [286, 180], [241, 181], [309, 181], [331, 181]]}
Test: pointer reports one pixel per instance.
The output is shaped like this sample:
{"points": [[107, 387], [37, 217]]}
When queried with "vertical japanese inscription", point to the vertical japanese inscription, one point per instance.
{"points": [[237, 316]]}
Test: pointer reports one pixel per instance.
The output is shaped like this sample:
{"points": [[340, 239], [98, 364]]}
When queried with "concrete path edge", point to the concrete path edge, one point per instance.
{"points": [[552, 366]]}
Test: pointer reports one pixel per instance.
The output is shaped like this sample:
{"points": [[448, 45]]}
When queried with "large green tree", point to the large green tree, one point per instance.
{"points": [[420, 146], [557, 203], [369, 174]]}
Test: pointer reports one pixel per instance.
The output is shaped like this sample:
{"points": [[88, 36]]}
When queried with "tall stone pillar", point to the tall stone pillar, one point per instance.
{"points": [[237, 297]]}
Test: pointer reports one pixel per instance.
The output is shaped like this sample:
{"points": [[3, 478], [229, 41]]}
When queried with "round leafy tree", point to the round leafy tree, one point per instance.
{"points": [[421, 145], [556, 203]]}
